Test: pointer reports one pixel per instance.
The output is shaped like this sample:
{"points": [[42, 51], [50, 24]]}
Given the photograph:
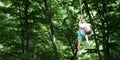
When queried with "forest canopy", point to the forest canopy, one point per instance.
{"points": [[48, 29]]}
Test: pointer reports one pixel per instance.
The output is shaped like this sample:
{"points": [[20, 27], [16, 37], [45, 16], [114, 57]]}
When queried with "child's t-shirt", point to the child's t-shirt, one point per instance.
{"points": [[83, 25], [81, 33]]}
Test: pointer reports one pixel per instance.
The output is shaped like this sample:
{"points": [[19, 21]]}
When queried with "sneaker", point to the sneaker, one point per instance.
{"points": [[79, 53], [87, 43]]}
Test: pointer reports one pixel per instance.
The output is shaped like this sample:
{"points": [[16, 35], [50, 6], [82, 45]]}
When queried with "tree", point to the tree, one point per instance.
{"points": [[33, 29], [26, 26], [48, 16]]}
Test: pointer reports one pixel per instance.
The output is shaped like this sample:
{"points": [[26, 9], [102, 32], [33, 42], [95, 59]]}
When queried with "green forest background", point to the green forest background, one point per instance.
{"points": [[47, 29]]}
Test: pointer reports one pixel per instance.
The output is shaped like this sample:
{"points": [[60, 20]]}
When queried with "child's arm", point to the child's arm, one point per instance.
{"points": [[86, 37], [80, 24], [81, 21], [87, 41]]}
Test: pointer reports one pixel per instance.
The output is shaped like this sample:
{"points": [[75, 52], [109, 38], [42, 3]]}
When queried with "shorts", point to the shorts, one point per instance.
{"points": [[80, 36]]}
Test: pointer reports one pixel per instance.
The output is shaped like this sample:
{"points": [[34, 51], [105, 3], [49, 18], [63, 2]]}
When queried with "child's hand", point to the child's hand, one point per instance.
{"points": [[81, 17], [87, 43]]}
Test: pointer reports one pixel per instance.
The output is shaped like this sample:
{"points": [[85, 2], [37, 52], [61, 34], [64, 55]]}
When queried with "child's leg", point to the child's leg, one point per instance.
{"points": [[79, 43], [79, 46]]}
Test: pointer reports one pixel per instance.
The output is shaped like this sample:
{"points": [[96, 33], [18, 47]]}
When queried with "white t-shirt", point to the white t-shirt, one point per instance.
{"points": [[84, 24], [81, 30]]}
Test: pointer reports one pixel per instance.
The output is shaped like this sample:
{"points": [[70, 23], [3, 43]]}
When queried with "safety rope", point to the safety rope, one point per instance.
{"points": [[80, 2]]}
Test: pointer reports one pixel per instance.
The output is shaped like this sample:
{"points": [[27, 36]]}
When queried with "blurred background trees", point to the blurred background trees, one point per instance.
{"points": [[47, 29]]}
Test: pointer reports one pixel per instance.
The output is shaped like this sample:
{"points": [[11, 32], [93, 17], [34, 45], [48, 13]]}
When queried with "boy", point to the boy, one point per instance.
{"points": [[84, 31]]}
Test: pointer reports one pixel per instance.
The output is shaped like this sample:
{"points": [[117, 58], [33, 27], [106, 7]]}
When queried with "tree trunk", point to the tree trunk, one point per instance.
{"points": [[21, 30], [74, 50], [105, 32], [91, 21], [48, 16], [26, 30]]}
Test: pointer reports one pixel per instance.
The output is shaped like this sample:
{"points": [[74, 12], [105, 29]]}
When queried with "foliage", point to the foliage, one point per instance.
{"points": [[65, 16]]}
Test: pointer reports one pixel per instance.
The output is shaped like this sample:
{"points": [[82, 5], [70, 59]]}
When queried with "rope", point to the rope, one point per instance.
{"points": [[80, 7]]}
